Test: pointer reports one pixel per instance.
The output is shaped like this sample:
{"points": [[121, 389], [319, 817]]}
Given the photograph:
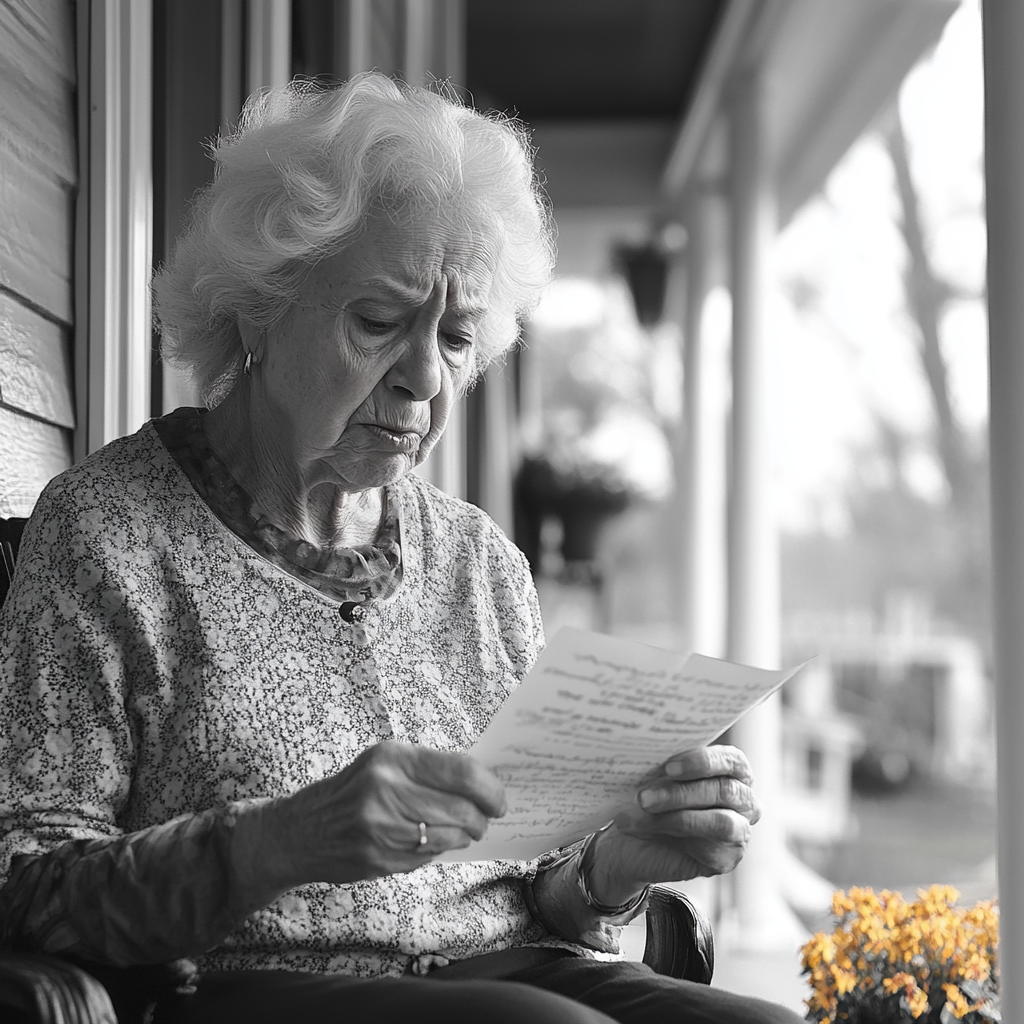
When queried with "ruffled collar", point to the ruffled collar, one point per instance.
{"points": [[367, 572]]}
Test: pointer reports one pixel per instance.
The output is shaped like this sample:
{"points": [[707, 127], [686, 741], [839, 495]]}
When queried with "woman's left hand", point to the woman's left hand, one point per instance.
{"points": [[693, 818]]}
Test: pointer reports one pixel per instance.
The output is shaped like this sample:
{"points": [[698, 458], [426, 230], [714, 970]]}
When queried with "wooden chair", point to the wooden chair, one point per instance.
{"points": [[41, 989]]}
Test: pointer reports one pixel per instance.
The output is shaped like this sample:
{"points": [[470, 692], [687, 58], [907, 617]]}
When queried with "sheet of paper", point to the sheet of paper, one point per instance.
{"points": [[595, 715]]}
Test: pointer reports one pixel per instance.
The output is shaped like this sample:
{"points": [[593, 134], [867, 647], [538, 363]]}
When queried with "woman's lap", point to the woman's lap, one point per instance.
{"points": [[632, 993], [279, 997], [569, 990]]}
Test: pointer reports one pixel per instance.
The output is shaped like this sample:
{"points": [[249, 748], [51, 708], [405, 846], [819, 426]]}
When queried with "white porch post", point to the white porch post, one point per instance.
{"points": [[699, 504], [114, 221], [419, 41], [1004, 176], [357, 34], [269, 44], [763, 920], [434, 46], [700, 530], [500, 460]]}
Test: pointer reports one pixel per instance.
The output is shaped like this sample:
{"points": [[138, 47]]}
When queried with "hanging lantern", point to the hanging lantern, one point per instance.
{"points": [[645, 268]]}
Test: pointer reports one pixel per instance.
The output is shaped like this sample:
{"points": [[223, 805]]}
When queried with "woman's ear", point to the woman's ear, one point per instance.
{"points": [[254, 340]]}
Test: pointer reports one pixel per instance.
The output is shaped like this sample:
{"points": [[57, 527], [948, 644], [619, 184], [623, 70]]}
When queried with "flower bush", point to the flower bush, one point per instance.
{"points": [[890, 961]]}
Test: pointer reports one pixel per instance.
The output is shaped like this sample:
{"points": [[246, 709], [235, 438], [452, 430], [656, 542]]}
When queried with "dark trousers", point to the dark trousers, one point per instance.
{"points": [[540, 987]]}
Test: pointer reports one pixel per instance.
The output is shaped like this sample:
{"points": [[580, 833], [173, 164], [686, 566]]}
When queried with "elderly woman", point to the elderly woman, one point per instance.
{"points": [[247, 647]]}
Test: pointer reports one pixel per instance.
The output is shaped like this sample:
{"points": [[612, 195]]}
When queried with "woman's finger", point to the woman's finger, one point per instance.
{"points": [[716, 858], [439, 839], [400, 783], [716, 825], [387, 838], [719, 791], [453, 773], [416, 803], [367, 816], [703, 762]]}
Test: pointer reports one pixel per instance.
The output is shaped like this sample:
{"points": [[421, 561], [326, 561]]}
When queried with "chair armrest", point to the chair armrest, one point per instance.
{"points": [[680, 942], [41, 989]]}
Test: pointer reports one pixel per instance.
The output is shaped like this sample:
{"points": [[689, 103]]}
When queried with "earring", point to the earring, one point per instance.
{"points": [[247, 368]]}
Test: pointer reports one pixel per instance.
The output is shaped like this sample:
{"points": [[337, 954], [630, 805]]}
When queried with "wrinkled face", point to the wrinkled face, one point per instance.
{"points": [[362, 373]]}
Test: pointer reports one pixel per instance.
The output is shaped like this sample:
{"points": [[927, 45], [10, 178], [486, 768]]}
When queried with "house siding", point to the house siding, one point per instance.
{"points": [[38, 179]]}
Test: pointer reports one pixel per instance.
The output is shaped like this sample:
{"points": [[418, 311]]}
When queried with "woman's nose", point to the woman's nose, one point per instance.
{"points": [[417, 370]]}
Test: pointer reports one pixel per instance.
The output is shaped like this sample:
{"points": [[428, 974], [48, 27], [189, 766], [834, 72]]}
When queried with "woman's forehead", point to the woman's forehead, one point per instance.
{"points": [[405, 259]]}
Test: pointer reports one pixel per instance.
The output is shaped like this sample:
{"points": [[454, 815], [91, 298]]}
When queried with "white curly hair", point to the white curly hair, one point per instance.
{"points": [[295, 183]]}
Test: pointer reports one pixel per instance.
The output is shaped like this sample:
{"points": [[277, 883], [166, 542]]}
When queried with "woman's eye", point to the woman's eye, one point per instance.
{"points": [[372, 326], [457, 342]]}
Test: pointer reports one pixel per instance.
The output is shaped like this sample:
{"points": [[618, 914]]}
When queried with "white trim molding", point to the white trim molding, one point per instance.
{"points": [[269, 44], [114, 220]]}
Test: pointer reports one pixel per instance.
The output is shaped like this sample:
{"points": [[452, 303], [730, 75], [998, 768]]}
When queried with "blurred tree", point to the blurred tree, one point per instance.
{"points": [[927, 295], [897, 537]]}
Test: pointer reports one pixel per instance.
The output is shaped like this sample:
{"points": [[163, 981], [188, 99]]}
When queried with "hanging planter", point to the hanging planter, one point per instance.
{"points": [[585, 509], [584, 505]]}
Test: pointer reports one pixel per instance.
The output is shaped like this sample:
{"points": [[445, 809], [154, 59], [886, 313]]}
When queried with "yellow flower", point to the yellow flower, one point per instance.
{"points": [[846, 981], [841, 903], [898, 981], [938, 898], [817, 951], [918, 1003], [955, 1001], [821, 1001]]}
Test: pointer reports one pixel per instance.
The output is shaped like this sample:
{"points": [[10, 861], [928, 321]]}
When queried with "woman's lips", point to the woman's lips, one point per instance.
{"points": [[400, 440]]}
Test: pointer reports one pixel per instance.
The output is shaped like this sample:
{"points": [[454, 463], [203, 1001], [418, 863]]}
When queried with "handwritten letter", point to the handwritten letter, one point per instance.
{"points": [[593, 718]]}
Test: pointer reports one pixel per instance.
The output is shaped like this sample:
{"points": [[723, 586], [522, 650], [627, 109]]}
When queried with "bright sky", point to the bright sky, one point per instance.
{"points": [[850, 354]]}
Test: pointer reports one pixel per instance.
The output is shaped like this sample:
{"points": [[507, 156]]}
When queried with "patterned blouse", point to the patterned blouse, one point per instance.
{"points": [[156, 673]]}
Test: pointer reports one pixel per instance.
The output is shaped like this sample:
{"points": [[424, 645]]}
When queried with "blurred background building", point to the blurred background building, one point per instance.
{"points": [[749, 419]]}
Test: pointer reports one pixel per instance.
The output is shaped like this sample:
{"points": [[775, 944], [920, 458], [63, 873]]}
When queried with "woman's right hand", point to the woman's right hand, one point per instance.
{"points": [[364, 822]]}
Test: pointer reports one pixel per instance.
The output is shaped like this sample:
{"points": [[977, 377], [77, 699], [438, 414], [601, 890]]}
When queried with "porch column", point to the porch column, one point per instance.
{"points": [[1004, 177], [353, 23], [269, 44], [700, 511], [433, 46], [752, 629], [499, 454], [114, 220]]}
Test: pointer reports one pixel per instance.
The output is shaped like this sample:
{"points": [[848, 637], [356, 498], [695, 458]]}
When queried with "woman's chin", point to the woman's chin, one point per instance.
{"points": [[378, 472]]}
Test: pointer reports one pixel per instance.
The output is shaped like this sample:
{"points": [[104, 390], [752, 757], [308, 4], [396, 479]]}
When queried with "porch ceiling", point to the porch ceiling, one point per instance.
{"points": [[587, 59], [834, 66], [603, 84], [618, 93]]}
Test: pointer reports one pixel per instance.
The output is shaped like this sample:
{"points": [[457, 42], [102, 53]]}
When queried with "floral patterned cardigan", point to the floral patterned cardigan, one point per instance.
{"points": [[156, 671]]}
